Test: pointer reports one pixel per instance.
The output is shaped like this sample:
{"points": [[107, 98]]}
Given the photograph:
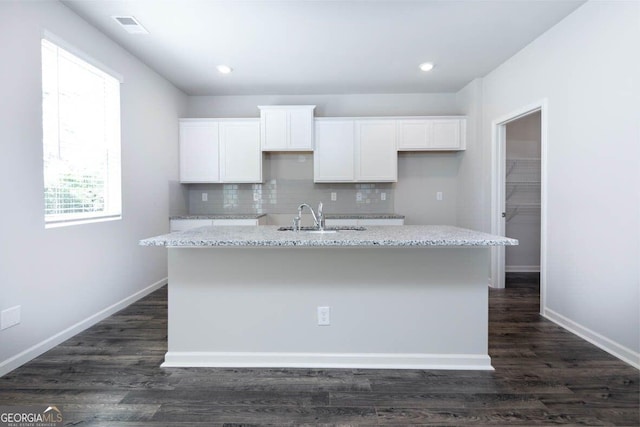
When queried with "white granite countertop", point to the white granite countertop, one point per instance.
{"points": [[269, 236]]}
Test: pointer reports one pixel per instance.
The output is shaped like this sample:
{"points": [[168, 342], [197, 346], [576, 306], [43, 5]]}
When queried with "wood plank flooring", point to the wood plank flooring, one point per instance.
{"points": [[109, 375]]}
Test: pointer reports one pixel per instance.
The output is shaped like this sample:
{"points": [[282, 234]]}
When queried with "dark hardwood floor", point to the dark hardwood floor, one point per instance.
{"points": [[110, 376]]}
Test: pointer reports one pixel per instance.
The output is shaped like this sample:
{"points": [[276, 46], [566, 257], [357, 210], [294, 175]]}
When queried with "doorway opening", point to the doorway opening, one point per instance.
{"points": [[522, 200], [518, 197]]}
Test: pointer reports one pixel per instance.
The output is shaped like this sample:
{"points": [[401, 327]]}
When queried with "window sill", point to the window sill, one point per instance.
{"points": [[80, 221]]}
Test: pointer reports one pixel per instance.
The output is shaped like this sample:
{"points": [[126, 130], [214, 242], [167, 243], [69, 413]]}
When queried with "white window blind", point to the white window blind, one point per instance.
{"points": [[81, 139]]}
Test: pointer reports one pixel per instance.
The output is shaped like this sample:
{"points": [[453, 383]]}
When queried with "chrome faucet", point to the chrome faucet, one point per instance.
{"points": [[320, 217], [318, 221]]}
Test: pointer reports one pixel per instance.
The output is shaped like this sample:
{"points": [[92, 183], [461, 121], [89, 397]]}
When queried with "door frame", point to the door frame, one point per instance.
{"points": [[498, 192]]}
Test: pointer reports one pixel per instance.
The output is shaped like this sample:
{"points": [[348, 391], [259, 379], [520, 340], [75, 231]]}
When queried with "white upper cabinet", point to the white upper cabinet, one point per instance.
{"points": [[376, 151], [349, 150], [199, 152], [220, 150], [240, 154], [334, 156], [286, 127], [432, 134]]}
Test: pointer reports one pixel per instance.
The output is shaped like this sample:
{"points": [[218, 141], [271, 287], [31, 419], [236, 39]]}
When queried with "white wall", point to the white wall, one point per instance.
{"points": [[63, 276], [471, 211], [420, 175], [588, 69], [409, 104]]}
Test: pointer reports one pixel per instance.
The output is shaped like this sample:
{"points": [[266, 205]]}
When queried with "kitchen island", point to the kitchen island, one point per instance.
{"points": [[413, 297]]}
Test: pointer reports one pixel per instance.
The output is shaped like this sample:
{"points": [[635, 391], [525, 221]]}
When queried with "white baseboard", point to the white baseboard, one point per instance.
{"points": [[623, 353], [20, 359], [327, 360], [522, 268]]}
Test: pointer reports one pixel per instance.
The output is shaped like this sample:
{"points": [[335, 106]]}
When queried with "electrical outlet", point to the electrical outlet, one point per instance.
{"points": [[439, 195], [383, 196], [205, 197], [10, 317], [334, 196], [324, 316], [358, 196]]}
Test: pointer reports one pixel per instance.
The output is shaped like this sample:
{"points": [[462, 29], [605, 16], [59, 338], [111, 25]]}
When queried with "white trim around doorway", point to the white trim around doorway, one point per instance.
{"points": [[498, 154]]}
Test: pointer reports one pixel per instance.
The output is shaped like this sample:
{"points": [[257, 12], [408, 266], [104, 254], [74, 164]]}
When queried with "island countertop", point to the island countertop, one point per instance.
{"points": [[372, 236]]}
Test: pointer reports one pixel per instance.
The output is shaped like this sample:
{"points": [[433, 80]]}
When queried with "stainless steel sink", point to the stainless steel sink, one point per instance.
{"points": [[327, 230]]}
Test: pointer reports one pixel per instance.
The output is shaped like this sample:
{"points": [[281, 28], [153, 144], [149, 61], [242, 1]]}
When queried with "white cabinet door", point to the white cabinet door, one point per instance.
{"points": [[286, 127], [333, 158], [301, 129], [199, 155], [220, 150], [186, 224], [363, 222], [437, 134], [414, 134], [240, 153], [341, 222], [376, 151], [231, 222], [274, 129], [381, 221], [446, 135]]}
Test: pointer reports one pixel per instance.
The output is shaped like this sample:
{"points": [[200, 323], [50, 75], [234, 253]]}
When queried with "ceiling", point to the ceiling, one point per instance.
{"points": [[324, 46]]}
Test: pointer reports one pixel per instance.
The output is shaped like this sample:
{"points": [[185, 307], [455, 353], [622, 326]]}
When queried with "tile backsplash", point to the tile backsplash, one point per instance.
{"points": [[284, 196], [289, 182]]}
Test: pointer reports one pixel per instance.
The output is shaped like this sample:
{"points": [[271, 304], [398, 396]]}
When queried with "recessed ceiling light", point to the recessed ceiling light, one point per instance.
{"points": [[426, 66], [224, 69]]}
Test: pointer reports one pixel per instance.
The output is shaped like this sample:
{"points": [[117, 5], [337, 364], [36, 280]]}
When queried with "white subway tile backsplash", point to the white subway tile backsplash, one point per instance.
{"points": [[289, 182], [284, 196]]}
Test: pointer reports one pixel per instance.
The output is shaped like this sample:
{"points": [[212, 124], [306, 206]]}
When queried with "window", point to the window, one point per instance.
{"points": [[81, 139]]}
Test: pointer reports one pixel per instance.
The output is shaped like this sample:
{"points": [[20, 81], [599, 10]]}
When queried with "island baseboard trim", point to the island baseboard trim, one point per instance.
{"points": [[175, 359]]}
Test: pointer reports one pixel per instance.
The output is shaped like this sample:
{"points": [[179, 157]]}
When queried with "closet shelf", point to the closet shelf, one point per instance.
{"points": [[522, 183], [523, 170], [522, 209], [515, 183], [524, 205]]}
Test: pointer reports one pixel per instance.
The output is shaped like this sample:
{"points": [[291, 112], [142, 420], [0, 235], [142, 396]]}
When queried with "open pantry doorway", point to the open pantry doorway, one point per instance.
{"points": [[519, 194], [522, 193]]}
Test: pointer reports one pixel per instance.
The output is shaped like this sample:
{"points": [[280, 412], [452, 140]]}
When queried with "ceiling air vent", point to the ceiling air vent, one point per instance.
{"points": [[130, 24]]}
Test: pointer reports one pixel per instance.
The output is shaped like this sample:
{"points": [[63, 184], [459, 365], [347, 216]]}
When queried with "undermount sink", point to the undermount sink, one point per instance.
{"points": [[327, 230]]}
